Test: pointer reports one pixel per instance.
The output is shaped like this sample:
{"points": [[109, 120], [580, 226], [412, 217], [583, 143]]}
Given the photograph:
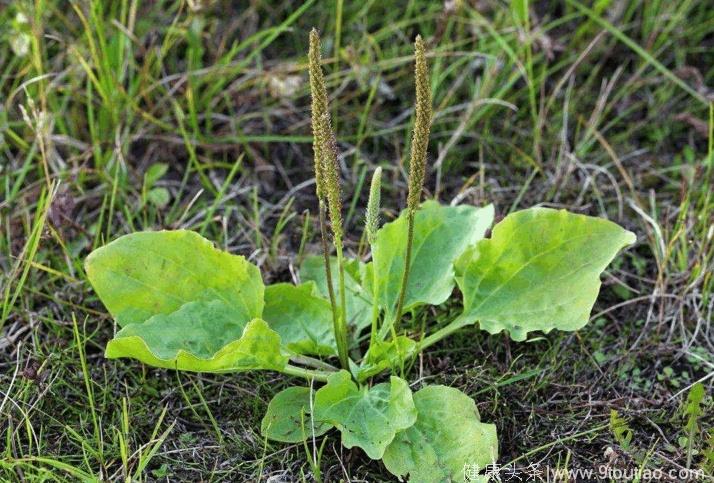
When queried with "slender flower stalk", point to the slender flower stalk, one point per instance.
{"points": [[327, 181], [334, 202], [328, 268], [417, 163]]}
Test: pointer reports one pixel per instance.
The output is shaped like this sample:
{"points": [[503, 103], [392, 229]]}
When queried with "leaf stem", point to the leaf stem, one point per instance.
{"points": [[458, 323], [312, 362], [306, 373]]}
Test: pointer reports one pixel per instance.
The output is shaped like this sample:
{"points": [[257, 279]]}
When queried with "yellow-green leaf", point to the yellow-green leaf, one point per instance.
{"points": [[446, 436], [366, 417], [288, 418], [540, 270], [301, 317], [441, 234], [383, 355], [148, 273], [359, 302], [201, 337]]}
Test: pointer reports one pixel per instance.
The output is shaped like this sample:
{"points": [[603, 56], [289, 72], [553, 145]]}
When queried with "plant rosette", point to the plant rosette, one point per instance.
{"points": [[182, 304]]}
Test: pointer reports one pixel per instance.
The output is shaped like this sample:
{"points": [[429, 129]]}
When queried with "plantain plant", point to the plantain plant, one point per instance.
{"points": [[182, 304]]}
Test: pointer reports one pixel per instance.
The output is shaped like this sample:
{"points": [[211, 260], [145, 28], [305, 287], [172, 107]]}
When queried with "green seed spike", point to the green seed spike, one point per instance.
{"points": [[327, 181], [372, 221], [422, 124], [318, 93], [331, 171], [417, 163], [324, 143]]}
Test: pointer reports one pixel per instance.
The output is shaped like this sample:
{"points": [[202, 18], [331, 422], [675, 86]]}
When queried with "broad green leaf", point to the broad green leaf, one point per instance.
{"points": [[359, 302], [383, 355], [149, 273], [301, 317], [367, 418], [447, 436], [203, 337], [441, 234], [540, 270], [288, 418]]}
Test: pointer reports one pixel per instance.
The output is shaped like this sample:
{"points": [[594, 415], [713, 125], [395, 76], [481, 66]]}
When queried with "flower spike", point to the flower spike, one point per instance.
{"points": [[318, 93], [422, 125], [417, 164], [372, 221]]}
